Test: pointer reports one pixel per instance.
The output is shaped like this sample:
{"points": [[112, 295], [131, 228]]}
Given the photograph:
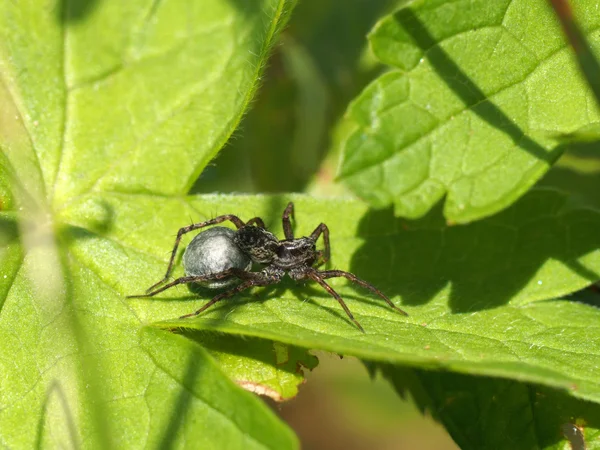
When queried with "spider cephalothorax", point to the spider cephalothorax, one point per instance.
{"points": [[229, 259], [258, 243]]}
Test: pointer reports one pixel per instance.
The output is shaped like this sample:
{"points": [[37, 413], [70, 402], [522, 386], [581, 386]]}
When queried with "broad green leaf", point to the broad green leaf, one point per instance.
{"points": [[64, 362], [554, 343], [232, 411], [473, 292], [264, 367], [500, 414], [115, 96], [151, 89], [471, 111]]}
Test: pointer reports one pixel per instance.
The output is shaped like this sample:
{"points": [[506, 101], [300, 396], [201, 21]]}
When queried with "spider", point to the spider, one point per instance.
{"points": [[298, 257]]}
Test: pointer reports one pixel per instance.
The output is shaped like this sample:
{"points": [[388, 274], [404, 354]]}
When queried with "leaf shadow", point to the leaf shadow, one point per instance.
{"points": [[55, 390], [479, 412], [466, 89], [262, 350], [73, 11], [339, 314], [484, 264], [98, 223], [268, 294], [578, 174], [183, 403]]}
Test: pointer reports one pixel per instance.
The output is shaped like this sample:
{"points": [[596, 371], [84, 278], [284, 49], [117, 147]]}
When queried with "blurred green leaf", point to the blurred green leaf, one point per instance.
{"points": [[122, 97], [499, 414], [282, 135], [478, 92], [187, 379], [11, 253], [312, 76], [152, 387]]}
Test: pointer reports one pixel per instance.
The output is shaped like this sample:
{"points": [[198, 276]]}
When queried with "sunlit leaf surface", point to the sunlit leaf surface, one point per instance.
{"points": [[111, 96], [470, 112]]}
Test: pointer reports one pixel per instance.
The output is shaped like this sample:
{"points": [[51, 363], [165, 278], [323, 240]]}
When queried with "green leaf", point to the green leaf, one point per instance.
{"points": [[11, 253], [107, 117], [523, 343], [125, 97], [588, 64], [470, 113], [469, 284], [234, 418], [542, 247], [492, 413], [578, 172], [88, 351], [157, 96], [266, 368], [474, 292]]}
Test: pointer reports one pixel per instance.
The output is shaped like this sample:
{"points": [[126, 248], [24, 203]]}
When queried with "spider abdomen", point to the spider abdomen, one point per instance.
{"points": [[214, 251], [259, 244]]}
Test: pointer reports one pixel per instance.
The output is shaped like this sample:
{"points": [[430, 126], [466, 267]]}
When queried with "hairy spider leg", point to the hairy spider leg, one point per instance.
{"points": [[256, 220], [285, 219], [195, 226], [350, 276], [230, 293], [241, 274], [315, 275], [323, 256], [251, 279]]}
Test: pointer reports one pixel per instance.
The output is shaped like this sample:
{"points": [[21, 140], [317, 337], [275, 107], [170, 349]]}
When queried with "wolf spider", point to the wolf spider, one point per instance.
{"points": [[298, 257]]}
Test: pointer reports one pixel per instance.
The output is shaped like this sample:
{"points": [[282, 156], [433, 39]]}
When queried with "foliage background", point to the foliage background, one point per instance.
{"points": [[103, 134]]}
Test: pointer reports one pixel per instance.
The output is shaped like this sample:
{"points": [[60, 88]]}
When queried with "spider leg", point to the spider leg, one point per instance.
{"points": [[230, 293], [256, 220], [195, 226], [314, 275], [241, 274], [326, 254], [251, 279], [285, 219], [320, 258], [181, 280], [350, 276]]}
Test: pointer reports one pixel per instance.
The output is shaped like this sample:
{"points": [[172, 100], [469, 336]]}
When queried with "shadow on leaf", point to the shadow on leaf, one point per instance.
{"points": [[181, 409], [466, 89], [530, 251], [72, 11], [493, 413], [245, 351]]}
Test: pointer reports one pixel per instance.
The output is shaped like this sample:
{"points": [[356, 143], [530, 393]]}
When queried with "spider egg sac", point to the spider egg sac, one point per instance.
{"points": [[214, 251]]}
